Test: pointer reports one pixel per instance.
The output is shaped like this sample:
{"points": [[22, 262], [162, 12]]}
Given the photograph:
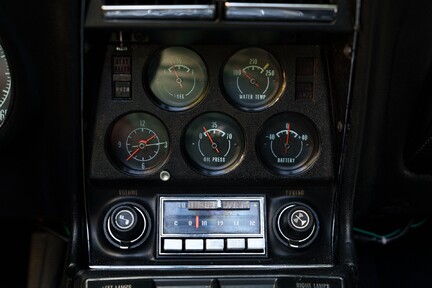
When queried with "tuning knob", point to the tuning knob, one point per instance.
{"points": [[296, 225], [127, 225]]}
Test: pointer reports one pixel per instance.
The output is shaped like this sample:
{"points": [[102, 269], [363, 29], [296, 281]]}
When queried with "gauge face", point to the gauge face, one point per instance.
{"points": [[288, 143], [177, 78], [5, 86], [253, 79], [139, 143], [214, 143]]}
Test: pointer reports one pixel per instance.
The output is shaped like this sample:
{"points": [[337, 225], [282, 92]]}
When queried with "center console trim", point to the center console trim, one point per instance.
{"points": [[207, 267]]}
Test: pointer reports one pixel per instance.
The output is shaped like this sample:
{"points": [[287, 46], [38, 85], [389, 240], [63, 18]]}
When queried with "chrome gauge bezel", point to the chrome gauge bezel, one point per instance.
{"points": [[247, 64], [176, 62], [121, 131], [311, 145], [191, 138], [6, 85]]}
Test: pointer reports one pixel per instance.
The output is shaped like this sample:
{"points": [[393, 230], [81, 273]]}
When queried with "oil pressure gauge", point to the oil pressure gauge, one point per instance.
{"points": [[138, 143], [288, 143], [253, 79], [213, 143]]}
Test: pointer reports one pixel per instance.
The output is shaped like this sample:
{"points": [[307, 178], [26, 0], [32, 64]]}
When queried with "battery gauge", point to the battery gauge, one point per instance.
{"points": [[288, 143]]}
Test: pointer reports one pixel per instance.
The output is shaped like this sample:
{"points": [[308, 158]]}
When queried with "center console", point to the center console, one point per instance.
{"points": [[211, 164]]}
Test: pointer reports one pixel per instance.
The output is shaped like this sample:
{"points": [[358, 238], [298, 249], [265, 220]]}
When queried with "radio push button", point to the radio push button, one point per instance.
{"points": [[236, 244], [215, 244], [173, 245], [194, 244], [255, 244]]}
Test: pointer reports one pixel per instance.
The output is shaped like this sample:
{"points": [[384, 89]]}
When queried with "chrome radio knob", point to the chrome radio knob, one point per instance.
{"points": [[296, 225], [127, 225]]}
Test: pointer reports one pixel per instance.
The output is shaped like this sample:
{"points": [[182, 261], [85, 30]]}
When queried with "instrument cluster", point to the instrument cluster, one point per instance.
{"points": [[196, 110]]}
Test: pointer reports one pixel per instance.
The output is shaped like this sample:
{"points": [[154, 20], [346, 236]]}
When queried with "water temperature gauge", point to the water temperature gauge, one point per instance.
{"points": [[138, 143], [288, 143], [253, 79], [214, 143]]}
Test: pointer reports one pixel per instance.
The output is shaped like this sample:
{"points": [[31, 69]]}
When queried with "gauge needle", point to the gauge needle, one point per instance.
{"points": [[178, 80], [287, 137], [140, 146], [213, 144], [145, 141], [133, 154], [252, 81]]}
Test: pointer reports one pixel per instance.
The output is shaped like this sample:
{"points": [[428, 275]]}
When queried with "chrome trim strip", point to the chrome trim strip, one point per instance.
{"points": [[206, 12], [205, 267], [280, 12]]}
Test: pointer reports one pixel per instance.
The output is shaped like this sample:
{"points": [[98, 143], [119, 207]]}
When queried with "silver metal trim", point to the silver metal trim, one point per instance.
{"points": [[150, 277], [206, 267], [161, 12], [280, 12], [161, 235]]}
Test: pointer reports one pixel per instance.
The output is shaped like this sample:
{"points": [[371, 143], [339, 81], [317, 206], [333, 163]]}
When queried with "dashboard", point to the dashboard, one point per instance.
{"points": [[214, 143], [206, 157]]}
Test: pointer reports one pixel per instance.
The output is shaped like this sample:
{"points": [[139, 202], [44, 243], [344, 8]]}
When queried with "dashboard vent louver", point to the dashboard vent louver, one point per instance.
{"points": [[160, 9], [276, 10], [237, 10]]}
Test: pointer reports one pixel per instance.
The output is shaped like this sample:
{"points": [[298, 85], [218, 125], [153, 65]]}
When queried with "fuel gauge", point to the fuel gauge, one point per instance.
{"points": [[177, 78], [288, 143]]}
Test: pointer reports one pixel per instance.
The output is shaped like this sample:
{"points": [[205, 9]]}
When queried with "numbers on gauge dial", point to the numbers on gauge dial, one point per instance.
{"points": [[221, 147], [139, 143], [287, 144]]}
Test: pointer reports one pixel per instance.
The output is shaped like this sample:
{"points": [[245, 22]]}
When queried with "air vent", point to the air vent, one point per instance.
{"points": [[159, 9], [243, 10], [274, 10]]}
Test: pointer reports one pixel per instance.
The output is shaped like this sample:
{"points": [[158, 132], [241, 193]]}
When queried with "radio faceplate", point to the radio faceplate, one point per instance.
{"points": [[212, 226]]}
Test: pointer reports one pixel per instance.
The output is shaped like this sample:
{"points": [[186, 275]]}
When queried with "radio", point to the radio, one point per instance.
{"points": [[212, 226]]}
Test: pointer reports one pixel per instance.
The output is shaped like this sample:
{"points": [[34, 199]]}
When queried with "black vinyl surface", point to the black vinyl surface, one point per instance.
{"points": [[403, 263]]}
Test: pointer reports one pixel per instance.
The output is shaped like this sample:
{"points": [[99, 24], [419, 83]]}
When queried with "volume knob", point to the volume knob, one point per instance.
{"points": [[127, 225], [297, 225]]}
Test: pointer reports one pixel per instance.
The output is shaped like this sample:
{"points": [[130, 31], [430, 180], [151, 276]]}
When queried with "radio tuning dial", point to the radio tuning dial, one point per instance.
{"points": [[297, 225]]}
